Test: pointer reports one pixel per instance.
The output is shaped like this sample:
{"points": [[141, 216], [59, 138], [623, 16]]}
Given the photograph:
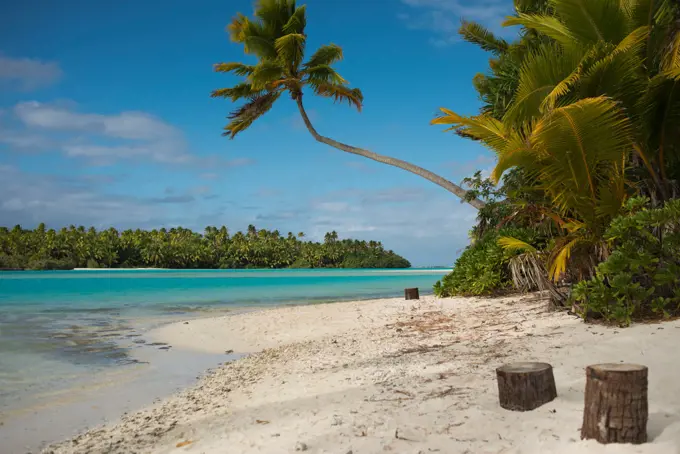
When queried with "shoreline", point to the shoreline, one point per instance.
{"points": [[340, 377]]}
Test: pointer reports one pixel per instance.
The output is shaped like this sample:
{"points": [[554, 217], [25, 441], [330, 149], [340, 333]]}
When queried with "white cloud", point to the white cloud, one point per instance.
{"points": [[443, 17], [104, 139], [125, 125], [425, 225], [461, 169], [28, 73], [29, 199], [361, 166], [333, 207], [142, 135]]}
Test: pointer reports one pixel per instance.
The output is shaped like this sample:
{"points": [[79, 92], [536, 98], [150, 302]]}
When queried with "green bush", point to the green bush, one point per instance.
{"points": [[92, 263], [641, 277], [12, 262], [482, 269], [50, 264]]}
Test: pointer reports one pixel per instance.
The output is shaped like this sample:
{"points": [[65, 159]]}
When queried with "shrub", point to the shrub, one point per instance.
{"points": [[50, 264], [12, 262], [482, 268], [641, 277], [92, 263]]}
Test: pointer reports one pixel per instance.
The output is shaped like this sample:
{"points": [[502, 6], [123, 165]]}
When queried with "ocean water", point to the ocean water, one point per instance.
{"points": [[64, 330]]}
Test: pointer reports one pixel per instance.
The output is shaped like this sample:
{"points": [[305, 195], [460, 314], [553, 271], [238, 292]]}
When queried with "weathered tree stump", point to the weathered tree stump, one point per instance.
{"points": [[525, 386], [615, 404], [411, 294]]}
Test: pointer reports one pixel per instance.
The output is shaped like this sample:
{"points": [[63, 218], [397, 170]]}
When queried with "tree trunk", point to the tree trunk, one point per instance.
{"points": [[411, 294], [525, 386], [615, 404], [443, 182]]}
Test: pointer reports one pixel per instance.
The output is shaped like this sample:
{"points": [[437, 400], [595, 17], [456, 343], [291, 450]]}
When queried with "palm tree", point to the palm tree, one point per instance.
{"points": [[276, 36]]}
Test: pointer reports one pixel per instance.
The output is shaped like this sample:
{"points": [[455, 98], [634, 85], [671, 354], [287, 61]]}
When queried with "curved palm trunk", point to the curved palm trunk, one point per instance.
{"points": [[444, 183]]}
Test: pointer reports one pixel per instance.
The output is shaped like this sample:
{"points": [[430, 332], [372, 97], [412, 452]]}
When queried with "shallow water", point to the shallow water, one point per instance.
{"points": [[66, 331]]}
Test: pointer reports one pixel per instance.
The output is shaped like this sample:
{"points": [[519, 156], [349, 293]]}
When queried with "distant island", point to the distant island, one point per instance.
{"points": [[180, 248]]}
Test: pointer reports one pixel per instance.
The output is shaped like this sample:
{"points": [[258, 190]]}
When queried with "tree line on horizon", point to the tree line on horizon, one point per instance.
{"points": [[582, 112], [180, 248]]}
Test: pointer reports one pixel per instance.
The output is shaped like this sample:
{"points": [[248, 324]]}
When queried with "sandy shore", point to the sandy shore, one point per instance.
{"points": [[392, 376]]}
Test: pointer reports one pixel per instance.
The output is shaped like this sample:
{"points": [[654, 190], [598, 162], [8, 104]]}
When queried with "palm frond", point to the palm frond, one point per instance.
{"points": [[620, 72], [239, 91], [297, 22], [484, 128], [541, 72], [265, 73], [325, 55], [671, 57], [239, 69], [584, 142], [275, 13], [548, 25], [290, 49], [517, 152], [258, 40], [339, 93], [323, 74], [237, 28], [560, 259], [511, 244], [592, 21], [475, 33], [243, 117]]}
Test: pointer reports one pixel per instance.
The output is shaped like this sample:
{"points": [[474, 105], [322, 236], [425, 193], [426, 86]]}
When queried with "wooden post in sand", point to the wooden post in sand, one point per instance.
{"points": [[525, 386], [615, 404], [411, 294]]}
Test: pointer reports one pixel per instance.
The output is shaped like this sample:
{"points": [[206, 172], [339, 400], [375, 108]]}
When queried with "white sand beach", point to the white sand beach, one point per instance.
{"points": [[393, 376]]}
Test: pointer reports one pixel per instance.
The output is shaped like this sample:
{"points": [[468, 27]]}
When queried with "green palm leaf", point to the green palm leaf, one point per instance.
{"points": [[478, 34], [325, 55], [541, 73], [237, 68], [340, 93], [290, 49], [244, 116], [265, 73], [239, 91], [323, 74], [548, 25], [297, 22]]}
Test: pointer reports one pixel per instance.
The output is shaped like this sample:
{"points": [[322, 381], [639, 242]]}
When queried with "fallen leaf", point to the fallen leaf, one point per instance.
{"points": [[261, 421], [183, 443]]}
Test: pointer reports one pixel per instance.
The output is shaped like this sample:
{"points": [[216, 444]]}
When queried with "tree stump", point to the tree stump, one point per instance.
{"points": [[615, 404], [525, 386], [411, 294]]}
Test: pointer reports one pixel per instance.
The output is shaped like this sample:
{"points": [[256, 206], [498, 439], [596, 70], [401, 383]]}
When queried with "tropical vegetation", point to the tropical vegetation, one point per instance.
{"points": [[582, 113], [78, 247], [275, 36]]}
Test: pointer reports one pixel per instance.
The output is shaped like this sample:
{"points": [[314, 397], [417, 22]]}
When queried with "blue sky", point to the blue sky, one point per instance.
{"points": [[106, 119]]}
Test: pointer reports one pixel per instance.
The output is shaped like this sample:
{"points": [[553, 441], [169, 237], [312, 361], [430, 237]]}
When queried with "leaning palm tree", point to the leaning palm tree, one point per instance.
{"points": [[276, 36]]}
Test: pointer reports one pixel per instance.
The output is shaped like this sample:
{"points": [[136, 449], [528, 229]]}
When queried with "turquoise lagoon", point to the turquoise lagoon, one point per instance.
{"points": [[62, 330]]}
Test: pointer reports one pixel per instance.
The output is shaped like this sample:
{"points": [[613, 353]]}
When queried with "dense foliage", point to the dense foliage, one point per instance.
{"points": [[582, 113], [78, 247], [642, 275]]}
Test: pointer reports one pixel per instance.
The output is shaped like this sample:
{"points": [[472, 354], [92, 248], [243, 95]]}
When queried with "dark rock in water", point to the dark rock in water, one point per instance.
{"points": [[139, 341], [229, 351], [168, 347], [132, 335], [158, 343]]}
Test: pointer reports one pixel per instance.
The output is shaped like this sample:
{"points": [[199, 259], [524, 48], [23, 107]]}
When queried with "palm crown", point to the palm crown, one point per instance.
{"points": [[276, 36]]}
